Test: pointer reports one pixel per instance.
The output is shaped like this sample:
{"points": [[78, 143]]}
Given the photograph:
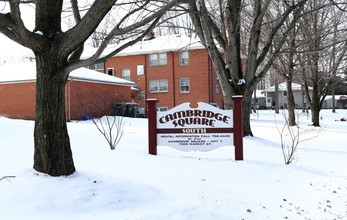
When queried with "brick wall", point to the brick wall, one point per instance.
{"points": [[17, 100], [95, 99], [200, 71]]}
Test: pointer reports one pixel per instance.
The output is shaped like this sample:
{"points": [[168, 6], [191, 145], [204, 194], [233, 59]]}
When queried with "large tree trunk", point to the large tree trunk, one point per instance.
{"points": [[315, 115], [52, 154]]}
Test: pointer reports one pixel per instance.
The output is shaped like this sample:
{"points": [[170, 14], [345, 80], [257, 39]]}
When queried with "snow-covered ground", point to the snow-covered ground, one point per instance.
{"points": [[127, 183]]}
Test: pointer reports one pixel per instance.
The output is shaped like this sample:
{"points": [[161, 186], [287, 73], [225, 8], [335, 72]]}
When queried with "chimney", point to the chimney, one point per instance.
{"points": [[150, 36]]}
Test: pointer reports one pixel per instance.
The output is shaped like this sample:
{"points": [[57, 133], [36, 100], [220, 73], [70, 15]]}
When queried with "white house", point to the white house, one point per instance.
{"points": [[269, 94], [340, 102]]}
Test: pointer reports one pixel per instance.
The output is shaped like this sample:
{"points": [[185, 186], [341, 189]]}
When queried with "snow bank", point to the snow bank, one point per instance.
{"points": [[127, 183]]}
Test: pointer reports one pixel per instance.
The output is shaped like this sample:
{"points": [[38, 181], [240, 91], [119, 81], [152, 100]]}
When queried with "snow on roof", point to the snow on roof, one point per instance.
{"points": [[283, 87], [163, 44], [84, 74], [26, 72], [156, 45], [259, 94], [337, 97]]}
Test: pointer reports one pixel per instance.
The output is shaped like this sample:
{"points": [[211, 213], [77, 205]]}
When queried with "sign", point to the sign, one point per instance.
{"points": [[203, 128]]}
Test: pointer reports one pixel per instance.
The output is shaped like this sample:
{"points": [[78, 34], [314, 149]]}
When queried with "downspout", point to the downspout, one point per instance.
{"points": [[173, 79], [69, 99], [145, 72], [209, 79], [212, 78]]}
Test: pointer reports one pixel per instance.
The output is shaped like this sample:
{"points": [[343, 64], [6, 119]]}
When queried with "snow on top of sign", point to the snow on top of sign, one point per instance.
{"points": [[24, 72]]}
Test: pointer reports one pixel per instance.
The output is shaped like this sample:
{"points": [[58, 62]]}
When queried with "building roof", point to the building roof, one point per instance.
{"points": [[158, 44], [283, 87], [259, 94], [26, 72], [337, 97], [163, 44]]}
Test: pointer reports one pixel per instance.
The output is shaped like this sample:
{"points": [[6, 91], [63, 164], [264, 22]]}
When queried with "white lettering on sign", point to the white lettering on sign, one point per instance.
{"points": [[204, 128], [189, 117], [205, 116]]}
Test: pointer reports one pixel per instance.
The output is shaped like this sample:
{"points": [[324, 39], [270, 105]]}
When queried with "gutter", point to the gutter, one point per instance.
{"points": [[102, 81], [18, 81], [69, 99]]}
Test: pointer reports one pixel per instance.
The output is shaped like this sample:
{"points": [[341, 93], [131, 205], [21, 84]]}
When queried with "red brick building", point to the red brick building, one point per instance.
{"points": [[172, 69], [85, 92]]}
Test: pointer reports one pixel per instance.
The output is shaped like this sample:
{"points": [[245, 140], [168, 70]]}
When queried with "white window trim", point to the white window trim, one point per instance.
{"points": [[162, 109], [142, 70], [218, 86], [129, 73], [141, 94], [110, 68], [158, 85], [185, 85], [157, 63], [180, 59], [96, 66]]}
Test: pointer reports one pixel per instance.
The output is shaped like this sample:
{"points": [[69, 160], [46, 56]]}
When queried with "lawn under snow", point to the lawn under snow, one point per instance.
{"points": [[127, 183]]}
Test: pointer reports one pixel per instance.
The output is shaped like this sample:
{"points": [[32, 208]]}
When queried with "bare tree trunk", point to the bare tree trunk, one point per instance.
{"points": [[246, 113], [58, 53], [277, 111], [315, 115], [303, 98], [255, 101], [291, 103], [333, 97], [230, 68], [52, 155]]}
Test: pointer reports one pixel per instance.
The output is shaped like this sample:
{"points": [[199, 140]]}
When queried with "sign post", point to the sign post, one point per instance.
{"points": [[152, 126], [238, 127], [203, 128]]}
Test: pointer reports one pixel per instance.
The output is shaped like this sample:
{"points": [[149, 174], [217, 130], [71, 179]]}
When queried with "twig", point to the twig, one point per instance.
{"points": [[5, 177]]}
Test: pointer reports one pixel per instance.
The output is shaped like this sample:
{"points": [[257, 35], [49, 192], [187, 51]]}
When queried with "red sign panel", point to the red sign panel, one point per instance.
{"points": [[202, 129]]}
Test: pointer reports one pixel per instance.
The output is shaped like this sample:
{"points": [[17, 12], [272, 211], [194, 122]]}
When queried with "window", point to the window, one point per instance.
{"points": [[126, 74], [184, 85], [96, 66], [284, 93], [285, 105], [159, 85], [183, 58], [140, 70], [162, 109], [217, 86], [110, 71], [141, 97], [158, 59]]}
